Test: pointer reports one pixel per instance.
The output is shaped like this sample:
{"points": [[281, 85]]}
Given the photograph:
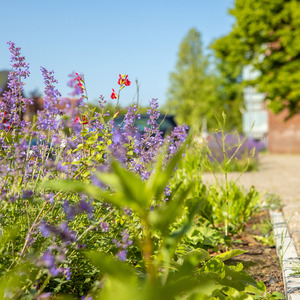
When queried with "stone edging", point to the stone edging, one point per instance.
{"points": [[286, 252]]}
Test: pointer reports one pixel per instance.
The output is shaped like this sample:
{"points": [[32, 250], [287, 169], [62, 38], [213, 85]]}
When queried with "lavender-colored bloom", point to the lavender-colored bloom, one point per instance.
{"points": [[80, 246], [167, 193], [127, 211], [45, 229], [27, 194], [69, 210], [50, 198], [44, 296], [47, 117], [86, 298], [55, 271], [13, 104], [68, 273], [104, 226], [117, 243], [66, 235], [48, 259], [101, 101], [85, 206], [232, 143], [123, 245], [122, 255], [72, 210]]}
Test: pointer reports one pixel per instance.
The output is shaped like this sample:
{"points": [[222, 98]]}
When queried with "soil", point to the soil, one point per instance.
{"points": [[260, 260]]}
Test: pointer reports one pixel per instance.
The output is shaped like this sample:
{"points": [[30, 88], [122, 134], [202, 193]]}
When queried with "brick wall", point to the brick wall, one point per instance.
{"points": [[284, 136]]}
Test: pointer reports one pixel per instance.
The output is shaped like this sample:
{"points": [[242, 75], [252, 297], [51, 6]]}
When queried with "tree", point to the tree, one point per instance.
{"points": [[195, 91], [266, 35]]}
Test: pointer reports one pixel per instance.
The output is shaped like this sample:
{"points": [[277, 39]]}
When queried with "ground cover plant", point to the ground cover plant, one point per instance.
{"points": [[95, 210]]}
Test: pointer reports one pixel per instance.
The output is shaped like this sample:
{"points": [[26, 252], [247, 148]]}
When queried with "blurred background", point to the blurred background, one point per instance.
{"points": [[199, 58]]}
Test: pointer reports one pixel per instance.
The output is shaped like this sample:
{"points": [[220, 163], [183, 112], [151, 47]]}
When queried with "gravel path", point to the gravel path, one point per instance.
{"points": [[278, 174]]}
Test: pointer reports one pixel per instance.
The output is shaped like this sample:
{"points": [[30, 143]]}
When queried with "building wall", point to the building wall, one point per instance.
{"points": [[284, 136]]}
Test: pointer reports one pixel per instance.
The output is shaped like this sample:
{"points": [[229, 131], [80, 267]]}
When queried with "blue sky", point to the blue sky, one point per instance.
{"points": [[104, 38]]}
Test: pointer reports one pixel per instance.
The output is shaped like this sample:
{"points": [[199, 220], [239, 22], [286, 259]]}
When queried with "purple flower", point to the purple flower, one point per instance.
{"points": [[69, 210], [86, 298], [127, 211], [13, 104], [55, 271], [68, 273], [45, 229], [122, 255], [47, 117], [104, 226], [27, 194], [66, 235], [44, 296], [85, 206], [123, 245], [48, 259], [72, 211]]}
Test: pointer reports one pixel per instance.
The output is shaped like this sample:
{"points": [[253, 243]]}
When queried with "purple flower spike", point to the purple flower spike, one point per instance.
{"points": [[47, 118]]}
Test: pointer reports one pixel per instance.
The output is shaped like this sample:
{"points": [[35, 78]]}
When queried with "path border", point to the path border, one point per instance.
{"points": [[286, 252]]}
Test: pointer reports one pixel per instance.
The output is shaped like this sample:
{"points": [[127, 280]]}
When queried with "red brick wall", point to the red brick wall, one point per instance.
{"points": [[284, 136]]}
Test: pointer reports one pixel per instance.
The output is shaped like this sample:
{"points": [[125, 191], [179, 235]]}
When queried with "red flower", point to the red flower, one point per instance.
{"points": [[123, 80], [120, 81], [127, 82], [83, 121], [79, 82], [77, 77], [113, 95], [77, 119], [5, 120]]}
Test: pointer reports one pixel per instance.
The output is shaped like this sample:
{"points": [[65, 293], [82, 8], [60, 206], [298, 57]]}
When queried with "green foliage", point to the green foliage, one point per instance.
{"points": [[266, 36], [233, 204], [163, 273], [197, 91], [192, 92]]}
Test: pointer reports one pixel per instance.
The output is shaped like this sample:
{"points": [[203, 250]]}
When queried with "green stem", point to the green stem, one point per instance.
{"points": [[147, 251], [44, 284], [226, 182]]}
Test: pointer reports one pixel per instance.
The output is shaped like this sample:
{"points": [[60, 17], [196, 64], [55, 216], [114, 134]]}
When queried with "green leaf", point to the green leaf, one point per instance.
{"points": [[115, 268], [229, 254], [205, 284], [160, 177], [238, 279], [206, 236], [132, 186], [166, 214], [129, 189], [214, 266]]}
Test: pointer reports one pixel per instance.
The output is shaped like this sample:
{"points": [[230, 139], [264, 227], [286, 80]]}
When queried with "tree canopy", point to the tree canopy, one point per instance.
{"points": [[196, 90], [266, 35]]}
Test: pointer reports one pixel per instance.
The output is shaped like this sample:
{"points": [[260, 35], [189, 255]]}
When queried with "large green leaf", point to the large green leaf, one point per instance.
{"points": [[160, 177], [162, 217], [132, 186], [115, 268], [205, 283], [118, 198], [238, 278]]}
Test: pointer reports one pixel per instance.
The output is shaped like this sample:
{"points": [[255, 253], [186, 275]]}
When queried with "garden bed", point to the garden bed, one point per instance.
{"points": [[260, 259]]}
